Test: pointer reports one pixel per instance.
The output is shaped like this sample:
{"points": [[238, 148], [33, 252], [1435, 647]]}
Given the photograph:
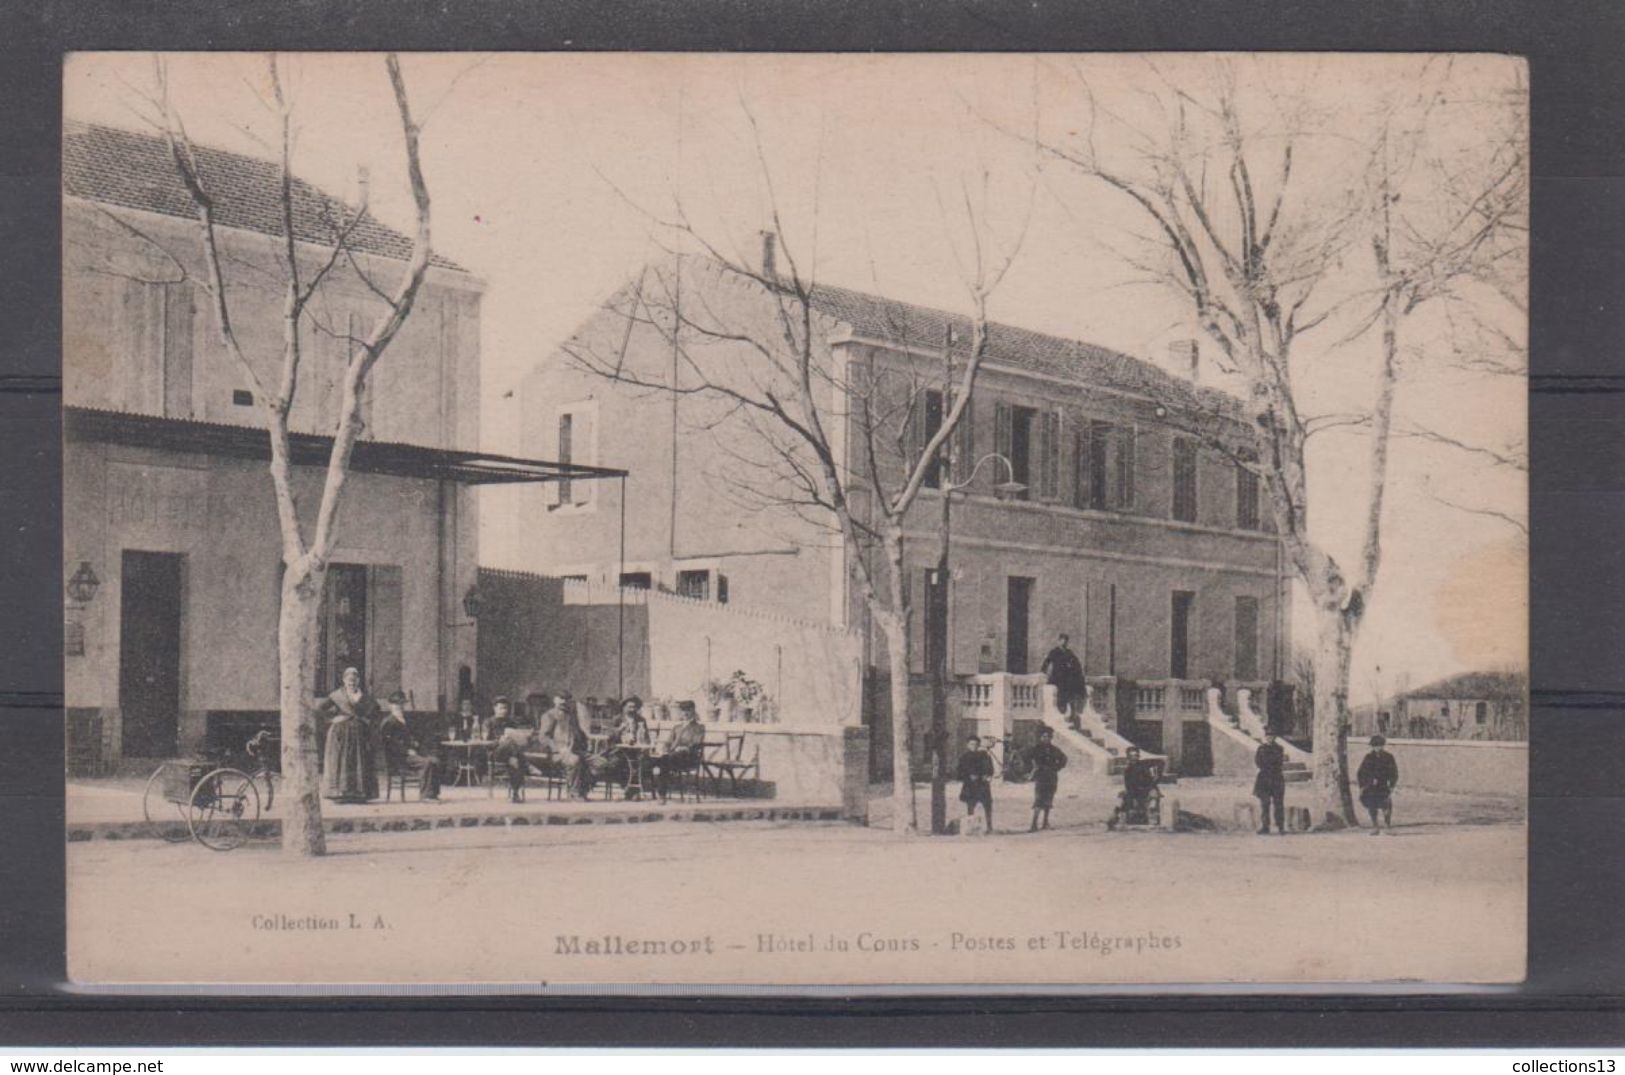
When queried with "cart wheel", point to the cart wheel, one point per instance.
{"points": [[169, 816], [225, 805]]}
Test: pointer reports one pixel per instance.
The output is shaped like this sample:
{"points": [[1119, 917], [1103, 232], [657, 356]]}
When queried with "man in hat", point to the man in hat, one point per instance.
{"points": [[682, 748], [975, 775], [515, 733], [1269, 787], [565, 741], [1377, 777], [1047, 761], [405, 752], [1066, 676]]}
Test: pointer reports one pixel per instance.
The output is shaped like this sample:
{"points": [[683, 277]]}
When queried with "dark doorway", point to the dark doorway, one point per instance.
{"points": [[936, 621], [1016, 624], [149, 679], [1179, 642], [342, 632]]}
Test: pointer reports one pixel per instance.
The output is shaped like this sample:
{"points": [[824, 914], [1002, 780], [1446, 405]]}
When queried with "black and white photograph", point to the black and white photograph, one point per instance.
{"points": [[612, 522]]}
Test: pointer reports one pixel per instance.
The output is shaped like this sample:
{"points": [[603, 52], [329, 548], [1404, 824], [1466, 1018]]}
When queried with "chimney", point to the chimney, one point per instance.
{"points": [[770, 261], [1185, 357], [363, 183]]}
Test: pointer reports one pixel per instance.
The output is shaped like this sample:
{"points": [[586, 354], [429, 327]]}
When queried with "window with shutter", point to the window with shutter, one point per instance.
{"points": [[924, 422], [1080, 467], [1100, 436], [583, 449], [1246, 493], [1003, 424], [1050, 454], [1126, 445], [1184, 480]]}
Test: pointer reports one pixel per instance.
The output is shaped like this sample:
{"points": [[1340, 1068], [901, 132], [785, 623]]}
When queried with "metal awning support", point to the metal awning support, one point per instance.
{"points": [[313, 450]]}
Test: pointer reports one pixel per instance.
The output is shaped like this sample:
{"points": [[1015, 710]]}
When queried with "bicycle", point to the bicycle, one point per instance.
{"points": [[1011, 762], [219, 802]]}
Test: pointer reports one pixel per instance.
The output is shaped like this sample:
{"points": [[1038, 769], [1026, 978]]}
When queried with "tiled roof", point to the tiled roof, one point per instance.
{"points": [[920, 326], [135, 170]]}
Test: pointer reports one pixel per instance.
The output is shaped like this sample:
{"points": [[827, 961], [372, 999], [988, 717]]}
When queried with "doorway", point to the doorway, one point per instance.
{"points": [[149, 689], [1179, 642], [1018, 604]]}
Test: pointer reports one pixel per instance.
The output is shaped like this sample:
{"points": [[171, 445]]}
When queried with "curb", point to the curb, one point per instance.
{"points": [[81, 832]]}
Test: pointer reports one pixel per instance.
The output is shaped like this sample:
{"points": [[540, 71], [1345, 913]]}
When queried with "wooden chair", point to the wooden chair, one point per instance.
{"points": [[727, 759], [400, 778], [551, 772]]}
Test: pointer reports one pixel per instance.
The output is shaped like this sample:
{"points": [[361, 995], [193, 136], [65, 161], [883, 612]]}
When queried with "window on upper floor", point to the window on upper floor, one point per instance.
{"points": [[1247, 517], [923, 424], [1185, 479]]}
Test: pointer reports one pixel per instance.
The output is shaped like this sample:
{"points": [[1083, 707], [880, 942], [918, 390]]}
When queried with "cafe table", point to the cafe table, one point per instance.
{"points": [[473, 753]]}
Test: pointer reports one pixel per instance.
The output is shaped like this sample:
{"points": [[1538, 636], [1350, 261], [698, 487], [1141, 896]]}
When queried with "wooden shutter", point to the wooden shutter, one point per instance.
{"points": [[1080, 466], [1127, 446], [965, 442], [1049, 454], [1246, 638], [914, 432], [1003, 424], [583, 447], [559, 492], [384, 624]]}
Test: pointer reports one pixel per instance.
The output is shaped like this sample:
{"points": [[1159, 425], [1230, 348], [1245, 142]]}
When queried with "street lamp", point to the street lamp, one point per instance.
{"points": [[83, 584], [1005, 490]]}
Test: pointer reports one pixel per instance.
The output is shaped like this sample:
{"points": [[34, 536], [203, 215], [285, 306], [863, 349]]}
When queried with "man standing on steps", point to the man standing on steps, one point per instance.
{"points": [[1270, 786], [1066, 676]]}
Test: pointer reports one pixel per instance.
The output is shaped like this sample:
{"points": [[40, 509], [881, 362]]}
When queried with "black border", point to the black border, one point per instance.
{"points": [[1577, 414]]}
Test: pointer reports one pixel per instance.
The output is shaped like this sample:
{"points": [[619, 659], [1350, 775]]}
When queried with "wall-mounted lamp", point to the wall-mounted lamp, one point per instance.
{"points": [[82, 586]]}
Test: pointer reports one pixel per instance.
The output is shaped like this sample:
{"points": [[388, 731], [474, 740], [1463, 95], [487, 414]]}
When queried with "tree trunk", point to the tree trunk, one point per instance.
{"points": [[894, 625], [1333, 803], [301, 798]]}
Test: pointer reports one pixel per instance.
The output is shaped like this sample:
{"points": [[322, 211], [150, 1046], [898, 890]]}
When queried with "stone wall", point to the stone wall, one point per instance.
{"points": [[1464, 767]]}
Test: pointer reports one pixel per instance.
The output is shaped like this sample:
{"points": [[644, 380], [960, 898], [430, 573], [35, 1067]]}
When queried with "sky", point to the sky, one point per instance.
{"points": [[551, 176]]}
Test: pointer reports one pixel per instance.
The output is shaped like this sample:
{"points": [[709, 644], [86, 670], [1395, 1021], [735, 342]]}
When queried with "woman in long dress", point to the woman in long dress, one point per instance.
{"points": [[349, 771]]}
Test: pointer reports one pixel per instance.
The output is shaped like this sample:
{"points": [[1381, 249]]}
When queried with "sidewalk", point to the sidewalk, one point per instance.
{"points": [[111, 809]]}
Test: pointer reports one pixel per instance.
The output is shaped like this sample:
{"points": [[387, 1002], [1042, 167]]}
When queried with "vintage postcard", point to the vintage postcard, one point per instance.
{"points": [[609, 522]]}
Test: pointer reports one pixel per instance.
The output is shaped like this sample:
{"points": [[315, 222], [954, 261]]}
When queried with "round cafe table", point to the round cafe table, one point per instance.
{"points": [[473, 753]]}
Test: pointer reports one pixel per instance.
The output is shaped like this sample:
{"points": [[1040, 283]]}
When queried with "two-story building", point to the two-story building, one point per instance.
{"points": [[1134, 528], [169, 519]]}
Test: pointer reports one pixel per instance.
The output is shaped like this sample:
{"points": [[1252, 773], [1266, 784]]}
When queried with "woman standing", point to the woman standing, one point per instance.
{"points": [[349, 770]]}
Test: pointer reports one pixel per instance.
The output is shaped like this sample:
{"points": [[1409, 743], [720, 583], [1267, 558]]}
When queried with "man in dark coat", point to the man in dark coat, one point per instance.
{"points": [[1377, 777], [1269, 788], [405, 752], [1047, 761], [975, 774], [1066, 676]]}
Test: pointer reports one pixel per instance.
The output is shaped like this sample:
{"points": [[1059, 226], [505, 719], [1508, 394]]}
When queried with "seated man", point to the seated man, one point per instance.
{"points": [[408, 753], [681, 749], [515, 733], [1139, 782], [564, 740], [629, 726]]}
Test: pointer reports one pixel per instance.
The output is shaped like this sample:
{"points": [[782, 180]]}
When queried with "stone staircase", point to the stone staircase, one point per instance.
{"points": [[1093, 739], [1246, 728]]}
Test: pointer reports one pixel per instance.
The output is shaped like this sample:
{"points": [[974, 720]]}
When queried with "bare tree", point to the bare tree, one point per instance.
{"points": [[306, 549], [1263, 256], [803, 408]]}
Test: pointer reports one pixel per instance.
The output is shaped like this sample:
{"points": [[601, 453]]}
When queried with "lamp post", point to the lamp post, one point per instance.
{"points": [[938, 604]]}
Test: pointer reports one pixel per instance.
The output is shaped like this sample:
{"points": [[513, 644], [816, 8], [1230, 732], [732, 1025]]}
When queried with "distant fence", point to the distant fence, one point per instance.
{"points": [[540, 633]]}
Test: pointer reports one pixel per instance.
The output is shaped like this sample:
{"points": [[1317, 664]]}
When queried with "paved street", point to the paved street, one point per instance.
{"points": [[753, 902]]}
